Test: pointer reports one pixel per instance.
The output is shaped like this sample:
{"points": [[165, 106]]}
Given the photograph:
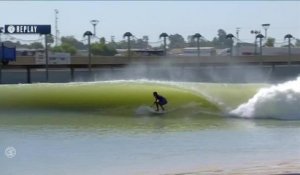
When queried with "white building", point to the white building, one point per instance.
{"points": [[271, 51], [193, 51]]}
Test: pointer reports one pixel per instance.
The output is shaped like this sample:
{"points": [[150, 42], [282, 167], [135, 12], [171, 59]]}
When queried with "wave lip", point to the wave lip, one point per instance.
{"points": [[280, 101]]}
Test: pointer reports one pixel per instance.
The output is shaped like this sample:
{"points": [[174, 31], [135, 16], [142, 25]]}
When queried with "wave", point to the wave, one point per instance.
{"points": [[109, 97], [281, 101]]}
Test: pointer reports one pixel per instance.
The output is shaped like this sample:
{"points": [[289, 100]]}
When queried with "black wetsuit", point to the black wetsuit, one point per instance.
{"points": [[161, 100]]}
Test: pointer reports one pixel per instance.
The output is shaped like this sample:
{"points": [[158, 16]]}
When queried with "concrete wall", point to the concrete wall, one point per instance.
{"points": [[173, 60]]}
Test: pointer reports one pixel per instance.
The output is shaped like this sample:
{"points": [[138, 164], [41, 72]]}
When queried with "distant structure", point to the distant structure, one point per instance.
{"points": [[266, 27], [94, 22], [56, 27], [266, 51], [193, 51], [141, 52]]}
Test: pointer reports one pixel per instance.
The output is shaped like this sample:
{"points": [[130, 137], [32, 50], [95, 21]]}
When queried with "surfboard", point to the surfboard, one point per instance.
{"points": [[153, 111]]}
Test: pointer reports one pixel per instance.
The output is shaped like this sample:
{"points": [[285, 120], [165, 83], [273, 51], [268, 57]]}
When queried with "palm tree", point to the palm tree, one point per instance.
{"points": [[164, 35], [260, 36], [256, 32], [289, 36], [230, 36], [197, 36], [128, 35], [89, 34]]}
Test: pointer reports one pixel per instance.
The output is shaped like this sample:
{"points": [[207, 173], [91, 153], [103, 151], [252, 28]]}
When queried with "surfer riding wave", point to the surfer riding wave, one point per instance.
{"points": [[160, 101]]}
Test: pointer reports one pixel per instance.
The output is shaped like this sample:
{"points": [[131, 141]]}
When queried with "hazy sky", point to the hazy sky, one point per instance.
{"points": [[154, 17]]}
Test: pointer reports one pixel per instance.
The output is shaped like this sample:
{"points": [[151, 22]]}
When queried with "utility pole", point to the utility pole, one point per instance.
{"points": [[46, 57], [237, 33], [112, 39], [89, 34], [289, 37], [56, 27], [255, 32], [238, 41], [94, 22], [266, 27]]}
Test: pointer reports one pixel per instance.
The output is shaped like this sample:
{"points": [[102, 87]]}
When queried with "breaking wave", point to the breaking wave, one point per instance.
{"points": [[280, 101]]}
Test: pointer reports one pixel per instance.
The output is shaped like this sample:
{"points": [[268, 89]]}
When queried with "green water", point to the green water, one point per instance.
{"points": [[122, 98], [93, 128]]}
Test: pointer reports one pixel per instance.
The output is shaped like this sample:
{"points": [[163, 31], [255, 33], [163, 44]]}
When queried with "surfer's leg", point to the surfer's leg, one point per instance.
{"points": [[161, 106], [156, 103]]}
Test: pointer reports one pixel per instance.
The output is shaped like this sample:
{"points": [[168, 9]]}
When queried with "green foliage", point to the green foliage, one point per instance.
{"points": [[191, 41], [136, 44], [270, 42], [70, 40], [36, 45], [65, 47], [221, 41], [102, 40], [50, 38], [102, 49], [203, 43], [297, 44], [176, 41]]}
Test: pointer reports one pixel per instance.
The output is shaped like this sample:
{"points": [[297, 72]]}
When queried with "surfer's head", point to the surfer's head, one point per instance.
{"points": [[155, 94]]}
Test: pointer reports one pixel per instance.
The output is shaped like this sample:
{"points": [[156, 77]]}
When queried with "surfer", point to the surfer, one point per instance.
{"points": [[159, 101]]}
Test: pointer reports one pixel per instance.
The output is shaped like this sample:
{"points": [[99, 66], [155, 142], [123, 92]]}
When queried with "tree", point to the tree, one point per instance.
{"points": [[146, 41], [121, 45], [164, 35], [197, 36], [102, 40], [191, 41], [50, 38], [128, 35], [260, 36], [102, 49], [206, 43], [88, 34], [140, 44], [230, 36], [297, 44], [221, 41], [65, 47], [176, 41], [289, 37], [36, 45], [270, 42], [73, 41]]}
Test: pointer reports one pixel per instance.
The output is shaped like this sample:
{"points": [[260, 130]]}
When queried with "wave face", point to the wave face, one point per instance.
{"points": [[110, 97], [280, 101]]}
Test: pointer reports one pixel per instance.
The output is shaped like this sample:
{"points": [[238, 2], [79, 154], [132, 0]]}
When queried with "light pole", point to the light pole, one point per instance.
{"points": [[56, 27], [238, 41], [94, 22], [128, 35], [255, 32], [46, 57], [164, 35], [260, 36], [230, 36], [197, 36], [89, 34], [1, 31], [266, 27], [289, 36]]}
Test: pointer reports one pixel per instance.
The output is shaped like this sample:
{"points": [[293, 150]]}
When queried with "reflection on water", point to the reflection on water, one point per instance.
{"points": [[66, 143]]}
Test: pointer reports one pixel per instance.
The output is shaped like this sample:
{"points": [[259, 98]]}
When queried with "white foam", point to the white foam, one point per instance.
{"points": [[280, 101]]}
